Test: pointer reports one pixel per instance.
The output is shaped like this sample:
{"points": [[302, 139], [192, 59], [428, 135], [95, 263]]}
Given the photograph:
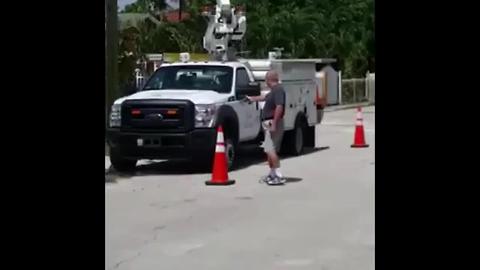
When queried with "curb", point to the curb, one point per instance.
{"points": [[349, 106]]}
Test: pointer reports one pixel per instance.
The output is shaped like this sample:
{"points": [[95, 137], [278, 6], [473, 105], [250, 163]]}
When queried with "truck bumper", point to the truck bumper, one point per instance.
{"points": [[132, 145]]}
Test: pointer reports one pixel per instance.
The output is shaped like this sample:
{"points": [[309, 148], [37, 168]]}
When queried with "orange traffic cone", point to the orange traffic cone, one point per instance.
{"points": [[220, 168], [359, 140]]}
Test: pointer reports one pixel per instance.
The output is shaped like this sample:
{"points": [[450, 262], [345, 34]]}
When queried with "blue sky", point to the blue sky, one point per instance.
{"points": [[122, 3]]}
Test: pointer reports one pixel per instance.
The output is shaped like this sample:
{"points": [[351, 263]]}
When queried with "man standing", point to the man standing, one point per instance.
{"points": [[272, 122]]}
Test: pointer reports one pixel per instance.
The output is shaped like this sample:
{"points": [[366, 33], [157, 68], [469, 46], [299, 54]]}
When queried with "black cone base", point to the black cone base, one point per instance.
{"points": [[226, 183], [359, 145]]}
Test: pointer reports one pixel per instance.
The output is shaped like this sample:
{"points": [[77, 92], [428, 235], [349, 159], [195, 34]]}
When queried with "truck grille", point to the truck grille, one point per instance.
{"points": [[157, 115]]}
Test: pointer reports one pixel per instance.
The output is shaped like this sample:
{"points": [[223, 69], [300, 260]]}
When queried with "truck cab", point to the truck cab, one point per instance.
{"points": [[175, 114]]}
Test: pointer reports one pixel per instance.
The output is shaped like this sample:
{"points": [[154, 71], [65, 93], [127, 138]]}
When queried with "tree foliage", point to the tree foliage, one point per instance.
{"points": [[342, 29], [142, 6]]}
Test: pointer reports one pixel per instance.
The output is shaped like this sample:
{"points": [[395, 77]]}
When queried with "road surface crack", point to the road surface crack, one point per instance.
{"points": [[126, 260]]}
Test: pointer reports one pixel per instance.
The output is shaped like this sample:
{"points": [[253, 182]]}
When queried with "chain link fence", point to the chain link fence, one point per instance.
{"points": [[358, 90]]}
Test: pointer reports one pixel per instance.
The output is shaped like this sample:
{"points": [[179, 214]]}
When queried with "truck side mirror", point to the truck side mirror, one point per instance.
{"points": [[251, 89]]}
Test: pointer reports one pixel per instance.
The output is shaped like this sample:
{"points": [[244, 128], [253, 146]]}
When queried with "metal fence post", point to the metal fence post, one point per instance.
{"points": [[340, 87], [138, 78], [367, 85], [372, 87], [354, 91]]}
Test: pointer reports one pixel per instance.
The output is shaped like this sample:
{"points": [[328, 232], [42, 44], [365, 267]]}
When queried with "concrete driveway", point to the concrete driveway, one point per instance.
{"points": [[165, 217]]}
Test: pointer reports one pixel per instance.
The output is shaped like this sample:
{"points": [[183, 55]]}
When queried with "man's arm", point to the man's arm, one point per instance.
{"points": [[256, 98]]}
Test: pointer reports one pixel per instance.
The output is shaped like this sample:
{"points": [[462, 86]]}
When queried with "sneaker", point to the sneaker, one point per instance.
{"points": [[267, 178], [275, 181]]}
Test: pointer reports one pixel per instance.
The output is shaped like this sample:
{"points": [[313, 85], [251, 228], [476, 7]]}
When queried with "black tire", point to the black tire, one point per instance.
{"points": [[310, 136], [230, 132], [120, 163], [294, 142], [230, 152], [320, 113], [204, 162]]}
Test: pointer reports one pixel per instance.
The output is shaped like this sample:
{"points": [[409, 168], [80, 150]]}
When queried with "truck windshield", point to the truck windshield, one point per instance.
{"points": [[215, 78]]}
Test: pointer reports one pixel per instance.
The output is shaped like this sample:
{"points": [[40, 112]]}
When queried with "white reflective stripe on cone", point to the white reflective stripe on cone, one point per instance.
{"points": [[359, 115], [359, 123], [220, 137], [220, 148]]}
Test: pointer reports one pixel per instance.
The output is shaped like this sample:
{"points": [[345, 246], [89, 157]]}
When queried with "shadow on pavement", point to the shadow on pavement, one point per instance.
{"points": [[109, 178], [250, 156], [171, 167], [247, 156], [293, 179]]}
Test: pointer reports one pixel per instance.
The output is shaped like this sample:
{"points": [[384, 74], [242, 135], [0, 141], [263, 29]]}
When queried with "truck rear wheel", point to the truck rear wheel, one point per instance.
{"points": [[120, 163], [294, 142]]}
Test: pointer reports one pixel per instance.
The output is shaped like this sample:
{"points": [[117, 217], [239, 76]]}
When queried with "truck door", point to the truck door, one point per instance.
{"points": [[248, 113]]}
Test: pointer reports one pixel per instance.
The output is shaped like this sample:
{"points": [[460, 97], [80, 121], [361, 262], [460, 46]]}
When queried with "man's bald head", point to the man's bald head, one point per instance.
{"points": [[271, 78]]}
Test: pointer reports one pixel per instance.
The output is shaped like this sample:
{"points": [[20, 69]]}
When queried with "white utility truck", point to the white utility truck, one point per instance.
{"points": [[177, 111]]}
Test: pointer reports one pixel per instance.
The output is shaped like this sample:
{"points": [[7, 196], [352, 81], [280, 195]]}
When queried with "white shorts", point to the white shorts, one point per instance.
{"points": [[273, 140]]}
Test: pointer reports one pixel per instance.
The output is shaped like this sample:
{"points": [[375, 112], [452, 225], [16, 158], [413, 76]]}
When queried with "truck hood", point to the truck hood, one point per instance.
{"points": [[195, 96]]}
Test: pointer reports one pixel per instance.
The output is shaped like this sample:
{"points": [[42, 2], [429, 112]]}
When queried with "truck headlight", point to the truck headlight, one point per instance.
{"points": [[204, 115], [115, 115]]}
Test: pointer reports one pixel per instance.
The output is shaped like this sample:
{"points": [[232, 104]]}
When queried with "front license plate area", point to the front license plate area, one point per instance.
{"points": [[149, 142]]}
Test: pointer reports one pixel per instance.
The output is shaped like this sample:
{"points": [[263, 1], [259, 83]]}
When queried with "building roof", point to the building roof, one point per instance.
{"points": [[154, 56], [127, 20], [173, 16]]}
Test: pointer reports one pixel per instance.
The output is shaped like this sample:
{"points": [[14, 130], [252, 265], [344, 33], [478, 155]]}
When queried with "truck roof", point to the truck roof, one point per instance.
{"points": [[206, 63], [241, 62], [295, 60], [307, 60]]}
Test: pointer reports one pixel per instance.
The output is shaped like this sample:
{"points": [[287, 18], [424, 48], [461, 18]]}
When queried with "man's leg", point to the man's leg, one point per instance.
{"points": [[268, 148], [274, 160], [276, 177], [270, 163], [277, 137], [275, 164], [271, 166]]}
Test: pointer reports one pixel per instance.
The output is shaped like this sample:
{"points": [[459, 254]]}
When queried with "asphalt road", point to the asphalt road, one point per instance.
{"points": [[165, 217]]}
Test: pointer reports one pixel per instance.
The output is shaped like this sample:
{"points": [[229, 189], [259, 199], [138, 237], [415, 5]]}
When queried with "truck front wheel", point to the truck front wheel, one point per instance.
{"points": [[121, 164], [230, 152], [204, 161]]}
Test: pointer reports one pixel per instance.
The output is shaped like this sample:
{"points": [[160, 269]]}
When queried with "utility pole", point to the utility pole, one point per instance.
{"points": [[180, 7], [111, 54]]}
